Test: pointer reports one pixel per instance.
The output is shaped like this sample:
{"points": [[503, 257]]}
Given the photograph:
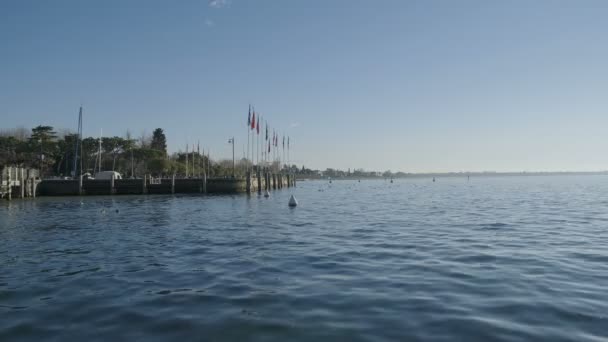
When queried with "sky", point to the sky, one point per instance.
{"points": [[413, 86]]}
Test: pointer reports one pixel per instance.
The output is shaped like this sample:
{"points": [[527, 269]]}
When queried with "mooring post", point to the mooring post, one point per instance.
{"points": [[143, 189], [34, 187], [8, 185], [80, 185], [173, 184], [259, 175], [204, 182], [21, 183], [248, 182], [112, 184]]}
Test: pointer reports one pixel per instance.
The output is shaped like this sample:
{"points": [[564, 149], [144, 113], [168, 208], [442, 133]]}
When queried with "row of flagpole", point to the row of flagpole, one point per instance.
{"points": [[269, 144], [204, 166]]}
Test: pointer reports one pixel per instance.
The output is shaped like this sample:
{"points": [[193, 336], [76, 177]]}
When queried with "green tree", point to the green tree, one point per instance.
{"points": [[113, 146], [159, 166], [159, 141], [43, 142]]}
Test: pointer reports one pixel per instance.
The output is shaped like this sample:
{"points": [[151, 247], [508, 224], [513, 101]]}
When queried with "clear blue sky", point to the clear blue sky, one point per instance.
{"points": [[401, 85]]}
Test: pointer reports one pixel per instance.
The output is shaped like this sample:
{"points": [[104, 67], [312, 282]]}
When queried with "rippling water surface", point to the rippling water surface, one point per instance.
{"points": [[504, 259]]}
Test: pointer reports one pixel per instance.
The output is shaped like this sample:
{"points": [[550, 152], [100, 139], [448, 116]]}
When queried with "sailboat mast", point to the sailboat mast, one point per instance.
{"points": [[100, 135], [78, 138]]}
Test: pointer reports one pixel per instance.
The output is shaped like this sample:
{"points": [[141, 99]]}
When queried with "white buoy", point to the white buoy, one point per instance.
{"points": [[266, 194], [292, 201]]}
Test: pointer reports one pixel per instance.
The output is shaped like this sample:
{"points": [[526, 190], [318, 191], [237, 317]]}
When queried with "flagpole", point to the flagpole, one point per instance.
{"points": [[186, 160], [248, 128], [252, 144], [198, 155]]}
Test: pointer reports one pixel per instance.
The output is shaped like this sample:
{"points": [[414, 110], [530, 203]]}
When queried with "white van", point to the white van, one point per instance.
{"points": [[107, 175]]}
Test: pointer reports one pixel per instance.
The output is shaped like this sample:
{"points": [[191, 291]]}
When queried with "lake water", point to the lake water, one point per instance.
{"points": [[490, 259]]}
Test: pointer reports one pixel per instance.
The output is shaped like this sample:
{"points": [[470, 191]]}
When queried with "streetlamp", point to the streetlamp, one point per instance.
{"points": [[231, 141]]}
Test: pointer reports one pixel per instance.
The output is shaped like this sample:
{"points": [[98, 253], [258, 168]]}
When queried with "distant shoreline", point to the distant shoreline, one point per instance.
{"points": [[460, 175]]}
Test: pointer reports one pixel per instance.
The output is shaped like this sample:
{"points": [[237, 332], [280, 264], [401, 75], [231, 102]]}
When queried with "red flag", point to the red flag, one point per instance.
{"points": [[253, 121]]}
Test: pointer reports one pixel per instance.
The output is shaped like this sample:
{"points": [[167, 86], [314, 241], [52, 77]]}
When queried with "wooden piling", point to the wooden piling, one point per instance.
{"points": [[204, 182], [112, 185], [80, 185], [9, 190], [21, 183], [173, 184], [259, 182], [143, 190], [248, 183]]}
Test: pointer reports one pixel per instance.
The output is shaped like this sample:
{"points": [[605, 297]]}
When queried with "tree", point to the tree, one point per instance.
{"points": [[44, 133], [42, 140], [113, 146], [159, 141], [159, 166]]}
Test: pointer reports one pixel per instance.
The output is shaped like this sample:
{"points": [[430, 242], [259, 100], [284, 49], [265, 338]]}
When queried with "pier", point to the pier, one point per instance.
{"points": [[18, 182], [21, 183]]}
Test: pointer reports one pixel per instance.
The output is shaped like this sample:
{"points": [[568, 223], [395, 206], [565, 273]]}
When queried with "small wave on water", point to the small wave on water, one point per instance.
{"points": [[447, 261]]}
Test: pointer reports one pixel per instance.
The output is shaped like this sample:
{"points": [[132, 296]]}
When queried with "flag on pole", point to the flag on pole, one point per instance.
{"points": [[288, 143], [257, 127], [249, 119], [266, 131], [253, 120], [269, 147], [283, 141]]}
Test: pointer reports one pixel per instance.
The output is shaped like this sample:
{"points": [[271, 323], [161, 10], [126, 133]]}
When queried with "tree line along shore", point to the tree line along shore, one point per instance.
{"points": [[53, 153]]}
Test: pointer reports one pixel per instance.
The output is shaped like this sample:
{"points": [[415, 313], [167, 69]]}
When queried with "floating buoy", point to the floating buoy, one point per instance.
{"points": [[266, 194], [292, 201]]}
